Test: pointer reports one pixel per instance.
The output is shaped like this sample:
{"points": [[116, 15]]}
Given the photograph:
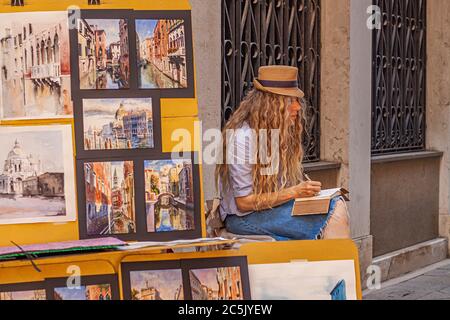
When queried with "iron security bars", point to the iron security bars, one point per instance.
{"points": [[272, 32], [399, 77]]}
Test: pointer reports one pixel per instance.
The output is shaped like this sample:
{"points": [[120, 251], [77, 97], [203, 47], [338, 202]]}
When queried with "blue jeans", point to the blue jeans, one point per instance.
{"points": [[279, 223]]}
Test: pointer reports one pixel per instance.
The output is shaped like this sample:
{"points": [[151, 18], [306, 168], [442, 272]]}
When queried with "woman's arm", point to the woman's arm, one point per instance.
{"points": [[271, 200]]}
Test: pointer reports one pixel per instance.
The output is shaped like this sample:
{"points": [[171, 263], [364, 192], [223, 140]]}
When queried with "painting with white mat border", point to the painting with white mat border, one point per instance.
{"points": [[325, 280], [37, 182], [35, 66]]}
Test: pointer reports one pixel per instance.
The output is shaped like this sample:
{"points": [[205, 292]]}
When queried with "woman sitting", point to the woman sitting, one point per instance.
{"points": [[261, 178]]}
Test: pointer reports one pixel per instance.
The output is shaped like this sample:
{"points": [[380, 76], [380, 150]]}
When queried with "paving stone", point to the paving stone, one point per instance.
{"points": [[445, 290], [433, 285], [397, 293], [447, 267], [439, 273], [428, 283], [436, 296]]}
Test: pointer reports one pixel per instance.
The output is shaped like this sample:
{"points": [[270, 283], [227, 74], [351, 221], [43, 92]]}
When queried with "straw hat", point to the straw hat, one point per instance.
{"points": [[282, 80]]}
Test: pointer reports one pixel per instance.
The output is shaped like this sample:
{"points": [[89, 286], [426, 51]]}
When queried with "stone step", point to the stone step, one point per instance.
{"points": [[404, 261]]}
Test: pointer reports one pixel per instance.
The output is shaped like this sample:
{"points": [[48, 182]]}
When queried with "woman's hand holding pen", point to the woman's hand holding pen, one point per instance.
{"points": [[307, 189]]}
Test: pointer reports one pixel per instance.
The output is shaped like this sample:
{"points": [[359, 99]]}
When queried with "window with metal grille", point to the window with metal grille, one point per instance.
{"points": [[399, 77], [272, 32]]}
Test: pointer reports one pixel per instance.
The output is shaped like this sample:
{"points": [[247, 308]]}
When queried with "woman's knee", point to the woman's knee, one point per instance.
{"points": [[338, 226]]}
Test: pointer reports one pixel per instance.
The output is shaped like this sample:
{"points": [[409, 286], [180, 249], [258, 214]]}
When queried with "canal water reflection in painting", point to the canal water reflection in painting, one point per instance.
{"points": [[169, 195], [118, 124], [103, 53], [161, 54], [110, 203]]}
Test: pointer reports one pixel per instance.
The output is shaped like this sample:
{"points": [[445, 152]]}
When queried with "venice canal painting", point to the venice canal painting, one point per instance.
{"points": [[118, 124], [37, 175], [103, 53], [110, 197], [169, 190], [161, 54]]}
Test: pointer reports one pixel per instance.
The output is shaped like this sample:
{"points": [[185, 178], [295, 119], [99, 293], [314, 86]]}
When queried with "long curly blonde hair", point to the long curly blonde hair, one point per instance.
{"points": [[262, 110]]}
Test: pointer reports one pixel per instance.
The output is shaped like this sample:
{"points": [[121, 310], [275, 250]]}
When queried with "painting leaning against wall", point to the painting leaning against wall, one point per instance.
{"points": [[35, 65], [37, 174]]}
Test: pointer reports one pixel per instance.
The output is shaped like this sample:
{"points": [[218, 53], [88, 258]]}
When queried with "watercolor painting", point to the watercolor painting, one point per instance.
{"points": [[325, 280], [103, 54], [118, 124], [36, 174], [157, 285], [35, 65], [23, 295], [169, 189], [216, 284], [91, 292], [110, 197], [161, 54]]}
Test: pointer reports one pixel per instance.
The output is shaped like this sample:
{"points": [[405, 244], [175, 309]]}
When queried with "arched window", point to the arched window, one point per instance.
{"points": [[32, 56], [43, 57], [38, 54], [49, 51], [56, 57]]}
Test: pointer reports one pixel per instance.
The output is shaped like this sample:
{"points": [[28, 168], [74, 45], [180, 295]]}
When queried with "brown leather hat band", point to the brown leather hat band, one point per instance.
{"points": [[278, 84]]}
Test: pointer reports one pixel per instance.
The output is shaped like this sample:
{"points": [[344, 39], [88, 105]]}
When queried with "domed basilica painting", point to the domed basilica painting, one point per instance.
{"points": [[118, 124], [36, 174]]}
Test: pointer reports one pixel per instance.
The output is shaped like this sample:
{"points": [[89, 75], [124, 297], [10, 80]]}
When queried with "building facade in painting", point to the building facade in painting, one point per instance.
{"points": [[18, 167], [86, 53], [149, 293], [109, 197], [177, 51], [98, 200], [35, 68], [114, 51], [230, 283], [124, 51], [23, 295], [197, 289], [129, 130], [101, 57], [22, 176], [49, 185], [165, 51]]}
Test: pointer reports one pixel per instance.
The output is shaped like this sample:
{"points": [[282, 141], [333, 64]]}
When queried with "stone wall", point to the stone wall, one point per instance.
{"points": [[207, 30], [438, 99]]}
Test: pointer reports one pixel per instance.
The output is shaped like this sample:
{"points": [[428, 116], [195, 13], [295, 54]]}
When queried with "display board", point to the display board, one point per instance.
{"points": [[90, 98], [181, 273]]}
